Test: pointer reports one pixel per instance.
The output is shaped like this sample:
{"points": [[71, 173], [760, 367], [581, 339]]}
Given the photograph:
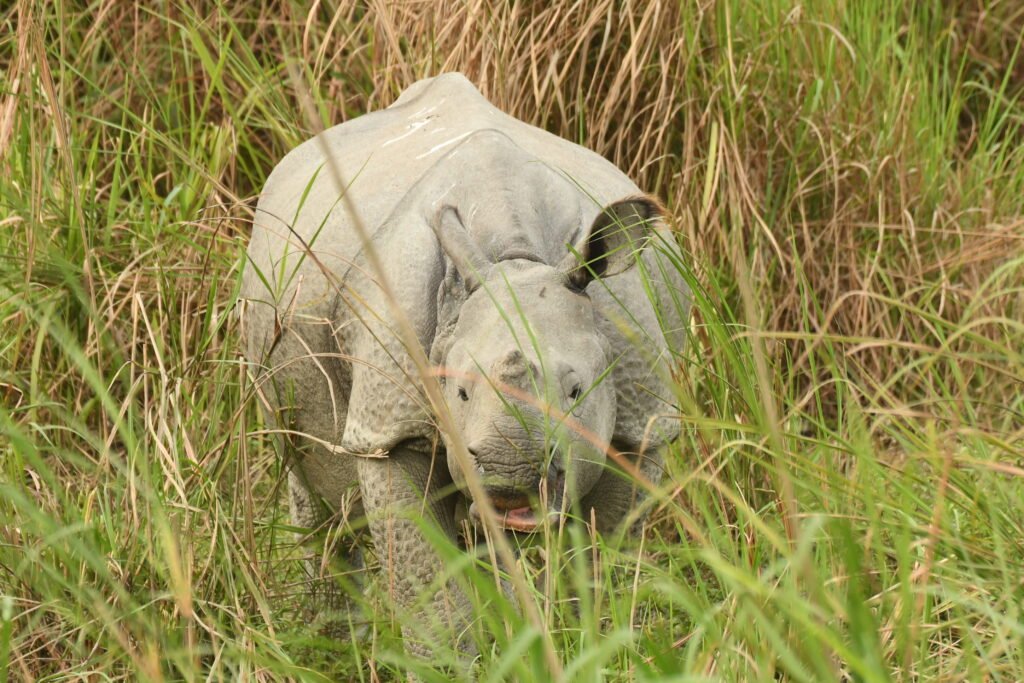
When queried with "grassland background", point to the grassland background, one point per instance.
{"points": [[847, 502]]}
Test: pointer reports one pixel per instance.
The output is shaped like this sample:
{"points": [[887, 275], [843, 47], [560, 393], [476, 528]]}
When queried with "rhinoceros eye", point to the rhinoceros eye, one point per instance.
{"points": [[462, 394], [576, 392]]}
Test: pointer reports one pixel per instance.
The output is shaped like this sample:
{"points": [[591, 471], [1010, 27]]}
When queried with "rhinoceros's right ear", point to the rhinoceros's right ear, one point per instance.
{"points": [[457, 243], [615, 237]]}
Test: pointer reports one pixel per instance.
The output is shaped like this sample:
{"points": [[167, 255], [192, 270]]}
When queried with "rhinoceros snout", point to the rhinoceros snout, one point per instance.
{"points": [[505, 495], [520, 510]]}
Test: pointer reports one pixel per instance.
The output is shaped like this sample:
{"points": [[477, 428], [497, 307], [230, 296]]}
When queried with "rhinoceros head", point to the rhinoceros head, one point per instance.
{"points": [[525, 371]]}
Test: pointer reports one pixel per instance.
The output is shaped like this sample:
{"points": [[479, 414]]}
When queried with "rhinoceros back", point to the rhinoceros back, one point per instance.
{"points": [[381, 155]]}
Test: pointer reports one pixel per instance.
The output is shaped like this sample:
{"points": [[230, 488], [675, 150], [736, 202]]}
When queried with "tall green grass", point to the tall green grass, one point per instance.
{"points": [[847, 500]]}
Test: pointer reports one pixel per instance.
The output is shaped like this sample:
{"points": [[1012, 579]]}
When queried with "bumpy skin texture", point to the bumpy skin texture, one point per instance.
{"points": [[476, 218], [396, 488]]}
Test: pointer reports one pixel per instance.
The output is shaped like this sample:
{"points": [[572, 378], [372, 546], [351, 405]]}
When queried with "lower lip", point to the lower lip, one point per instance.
{"points": [[516, 519]]}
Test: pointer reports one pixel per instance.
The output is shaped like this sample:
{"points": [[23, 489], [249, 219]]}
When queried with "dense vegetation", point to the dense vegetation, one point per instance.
{"points": [[847, 502]]}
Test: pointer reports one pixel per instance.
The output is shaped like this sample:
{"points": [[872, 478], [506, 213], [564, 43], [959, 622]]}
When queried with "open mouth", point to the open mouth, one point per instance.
{"points": [[515, 511], [523, 518]]}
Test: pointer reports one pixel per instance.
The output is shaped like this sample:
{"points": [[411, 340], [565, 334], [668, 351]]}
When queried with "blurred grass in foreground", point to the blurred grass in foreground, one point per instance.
{"points": [[847, 502]]}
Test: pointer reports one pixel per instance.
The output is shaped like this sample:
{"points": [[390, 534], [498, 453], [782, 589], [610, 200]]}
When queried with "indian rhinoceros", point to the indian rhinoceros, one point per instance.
{"points": [[541, 283]]}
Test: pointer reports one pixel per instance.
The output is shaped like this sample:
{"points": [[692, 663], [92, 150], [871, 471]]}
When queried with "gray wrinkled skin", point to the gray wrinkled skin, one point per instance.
{"points": [[481, 222]]}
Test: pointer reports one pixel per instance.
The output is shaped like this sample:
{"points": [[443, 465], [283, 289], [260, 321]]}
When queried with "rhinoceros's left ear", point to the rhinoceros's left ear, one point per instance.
{"points": [[457, 243], [611, 245]]}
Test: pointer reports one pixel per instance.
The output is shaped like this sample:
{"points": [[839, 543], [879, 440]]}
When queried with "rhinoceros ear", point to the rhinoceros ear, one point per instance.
{"points": [[611, 245], [457, 243]]}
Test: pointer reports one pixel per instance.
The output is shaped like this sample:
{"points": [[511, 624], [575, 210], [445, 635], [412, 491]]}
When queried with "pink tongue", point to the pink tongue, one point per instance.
{"points": [[517, 519], [520, 519]]}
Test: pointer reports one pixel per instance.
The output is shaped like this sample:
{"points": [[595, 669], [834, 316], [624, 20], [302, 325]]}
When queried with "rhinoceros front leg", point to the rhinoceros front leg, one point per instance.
{"points": [[400, 492]]}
